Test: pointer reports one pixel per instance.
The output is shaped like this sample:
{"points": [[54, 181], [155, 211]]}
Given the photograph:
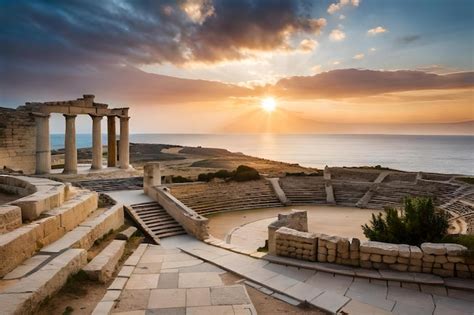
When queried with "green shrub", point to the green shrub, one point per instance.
{"points": [[419, 222], [245, 173], [465, 240], [241, 174], [468, 180], [180, 179]]}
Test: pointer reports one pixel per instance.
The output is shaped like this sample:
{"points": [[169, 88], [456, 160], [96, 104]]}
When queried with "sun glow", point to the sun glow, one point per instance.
{"points": [[268, 104]]}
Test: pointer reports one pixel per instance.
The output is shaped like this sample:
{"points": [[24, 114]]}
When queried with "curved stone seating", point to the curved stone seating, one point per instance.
{"points": [[354, 175], [210, 198], [348, 194], [40, 194], [392, 194], [304, 189]]}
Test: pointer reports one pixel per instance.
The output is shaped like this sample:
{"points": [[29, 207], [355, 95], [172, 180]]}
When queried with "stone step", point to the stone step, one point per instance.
{"points": [[25, 295], [103, 265], [84, 235], [21, 243], [126, 234]]}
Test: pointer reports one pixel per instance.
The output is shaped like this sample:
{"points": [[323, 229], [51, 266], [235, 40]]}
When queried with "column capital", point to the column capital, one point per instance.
{"points": [[96, 116], [124, 118], [70, 115], [41, 115]]}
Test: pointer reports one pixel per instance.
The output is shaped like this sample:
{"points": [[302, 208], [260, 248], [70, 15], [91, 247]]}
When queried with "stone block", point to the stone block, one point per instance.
{"points": [[404, 251], [379, 248], [375, 258], [440, 259], [355, 244], [402, 260], [415, 252], [448, 266], [365, 264], [428, 258], [433, 249], [389, 259], [18, 245], [322, 258], [456, 259], [48, 279], [415, 262], [354, 255], [364, 256], [462, 267], [455, 249], [103, 265], [10, 218], [331, 258]]}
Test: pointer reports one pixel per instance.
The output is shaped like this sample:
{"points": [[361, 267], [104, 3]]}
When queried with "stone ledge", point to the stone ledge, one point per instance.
{"points": [[24, 296], [103, 265], [48, 195], [84, 235]]}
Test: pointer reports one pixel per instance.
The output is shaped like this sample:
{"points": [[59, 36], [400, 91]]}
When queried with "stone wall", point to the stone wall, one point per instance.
{"points": [[296, 244], [295, 220], [192, 222], [17, 140], [442, 259]]}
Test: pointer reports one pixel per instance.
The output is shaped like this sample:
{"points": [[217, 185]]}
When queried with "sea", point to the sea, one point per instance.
{"points": [[441, 154]]}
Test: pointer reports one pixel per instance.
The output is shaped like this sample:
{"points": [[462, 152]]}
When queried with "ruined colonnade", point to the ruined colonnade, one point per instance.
{"points": [[70, 110]]}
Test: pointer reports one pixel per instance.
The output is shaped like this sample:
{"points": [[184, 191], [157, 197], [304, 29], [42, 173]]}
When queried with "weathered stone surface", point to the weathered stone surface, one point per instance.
{"points": [[379, 248], [415, 252], [433, 249], [127, 233], [10, 218], [48, 279], [103, 265]]}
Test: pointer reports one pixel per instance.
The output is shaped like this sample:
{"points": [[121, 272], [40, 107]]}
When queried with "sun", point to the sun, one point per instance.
{"points": [[268, 104]]}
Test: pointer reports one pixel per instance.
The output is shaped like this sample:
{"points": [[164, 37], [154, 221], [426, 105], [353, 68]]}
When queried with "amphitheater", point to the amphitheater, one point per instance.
{"points": [[199, 234]]}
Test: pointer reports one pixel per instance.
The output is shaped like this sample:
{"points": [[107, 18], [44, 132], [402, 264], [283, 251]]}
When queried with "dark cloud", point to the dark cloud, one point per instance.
{"points": [[356, 83], [54, 34], [409, 39]]}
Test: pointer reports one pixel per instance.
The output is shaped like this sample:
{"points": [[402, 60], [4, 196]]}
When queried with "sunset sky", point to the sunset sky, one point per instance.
{"points": [[368, 66]]}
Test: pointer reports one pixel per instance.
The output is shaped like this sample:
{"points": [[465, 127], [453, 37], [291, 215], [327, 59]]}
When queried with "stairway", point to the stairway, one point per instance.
{"points": [[155, 220]]}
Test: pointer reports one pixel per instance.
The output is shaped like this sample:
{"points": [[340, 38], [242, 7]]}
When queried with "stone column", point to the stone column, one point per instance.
{"points": [[111, 142], [124, 152], [70, 151], [43, 149], [96, 143], [151, 175]]}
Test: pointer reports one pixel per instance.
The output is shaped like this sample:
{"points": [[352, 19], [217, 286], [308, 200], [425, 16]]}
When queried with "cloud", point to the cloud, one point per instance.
{"points": [[72, 35], [357, 83], [337, 35], [334, 7], [342, 17], [336, 62], [409, 39], [372, 49], [316, 69], [358, 56], [377, 30], [308, 45]]}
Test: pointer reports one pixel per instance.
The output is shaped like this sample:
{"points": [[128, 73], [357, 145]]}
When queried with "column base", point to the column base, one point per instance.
{"points": [[70, 172]]}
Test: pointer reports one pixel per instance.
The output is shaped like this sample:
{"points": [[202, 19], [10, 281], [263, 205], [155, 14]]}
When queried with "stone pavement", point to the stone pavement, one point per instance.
{"points": [[155, 280], [330, 292]]}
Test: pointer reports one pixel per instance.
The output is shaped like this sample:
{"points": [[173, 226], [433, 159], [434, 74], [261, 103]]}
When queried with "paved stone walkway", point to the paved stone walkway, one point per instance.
{"points": [[155, 280], [330, 292]]}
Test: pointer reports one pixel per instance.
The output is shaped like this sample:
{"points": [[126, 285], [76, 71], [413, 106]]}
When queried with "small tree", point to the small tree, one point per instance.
{"points": [[419, 222]]}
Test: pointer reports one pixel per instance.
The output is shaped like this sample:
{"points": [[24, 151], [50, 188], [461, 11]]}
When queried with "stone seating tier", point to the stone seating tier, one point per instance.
{"points": [[354, 175], [40, 194], [348, 194], [304, 190], [21, 243], [392, 194], [209, 198]]}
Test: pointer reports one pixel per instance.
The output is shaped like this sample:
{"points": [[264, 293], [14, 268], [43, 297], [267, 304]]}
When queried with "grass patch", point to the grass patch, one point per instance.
{"points": [[468, 180], [461, 239], [243, 173]]}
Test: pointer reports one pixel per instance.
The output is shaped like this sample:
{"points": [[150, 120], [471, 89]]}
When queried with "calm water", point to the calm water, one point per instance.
{"points": [[444, 154]]}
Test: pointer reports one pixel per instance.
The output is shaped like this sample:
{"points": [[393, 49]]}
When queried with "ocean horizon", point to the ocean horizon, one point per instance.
{"points": [[440, 154]]}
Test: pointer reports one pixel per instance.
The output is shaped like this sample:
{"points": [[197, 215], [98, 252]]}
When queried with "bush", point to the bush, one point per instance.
{"points": [[180, 179], [419, 222], [241, 174], [245, 173]]}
